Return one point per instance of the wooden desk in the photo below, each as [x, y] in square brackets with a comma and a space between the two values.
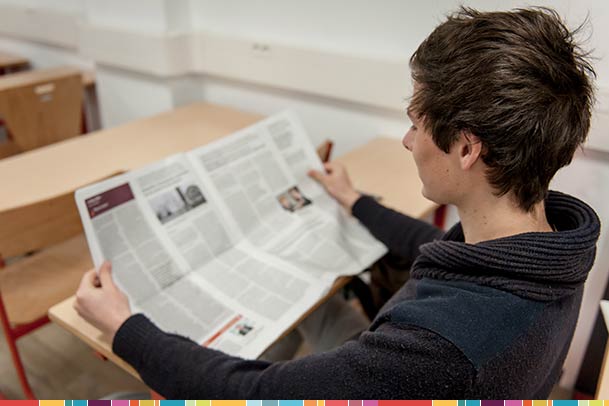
[63, 167]
[381, 167]
[10, 62]
[42, 75]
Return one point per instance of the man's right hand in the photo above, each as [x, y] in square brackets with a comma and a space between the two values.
[337, 184]
[100, 302]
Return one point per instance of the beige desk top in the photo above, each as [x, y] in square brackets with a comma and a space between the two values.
[29, 77]
[382, 167]
[8, 60]
[63, 167]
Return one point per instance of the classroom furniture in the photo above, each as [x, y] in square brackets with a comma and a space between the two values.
[91, 120]
[40, 107]
[43, 181]
[12, 63]
[37, 207]
[53, 254]
[382, 167]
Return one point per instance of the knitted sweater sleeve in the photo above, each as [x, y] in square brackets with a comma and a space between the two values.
[397, 363]
[401, 234]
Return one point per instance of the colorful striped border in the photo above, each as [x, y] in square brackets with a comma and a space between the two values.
[304, 403]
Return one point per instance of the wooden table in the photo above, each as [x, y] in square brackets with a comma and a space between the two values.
[382, 167]
[10, 63]
[63, 167]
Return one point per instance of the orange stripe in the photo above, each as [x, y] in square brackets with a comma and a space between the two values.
[222, 330]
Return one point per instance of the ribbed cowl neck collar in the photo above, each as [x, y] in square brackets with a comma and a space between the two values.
[537, 266]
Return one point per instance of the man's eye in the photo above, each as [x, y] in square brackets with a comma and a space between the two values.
[413, 127]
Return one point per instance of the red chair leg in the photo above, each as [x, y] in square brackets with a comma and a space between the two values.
[156, 397]
[12, 345]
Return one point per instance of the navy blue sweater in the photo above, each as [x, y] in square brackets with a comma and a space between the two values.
[487, 320]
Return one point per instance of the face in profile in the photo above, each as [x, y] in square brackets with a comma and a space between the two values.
[434, 166]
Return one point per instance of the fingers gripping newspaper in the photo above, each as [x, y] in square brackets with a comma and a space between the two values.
[228, 244]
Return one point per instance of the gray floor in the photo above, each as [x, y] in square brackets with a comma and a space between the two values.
[60, 366]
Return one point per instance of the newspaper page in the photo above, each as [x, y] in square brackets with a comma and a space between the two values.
[261, 175]
[185, 265]
[228, 244]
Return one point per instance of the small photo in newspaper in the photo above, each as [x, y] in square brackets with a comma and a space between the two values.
[293, 200]
[242, 329]
[175, 202]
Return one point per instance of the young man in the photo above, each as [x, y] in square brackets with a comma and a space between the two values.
[501, 101]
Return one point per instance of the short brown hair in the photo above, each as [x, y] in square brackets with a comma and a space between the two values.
[516, 79]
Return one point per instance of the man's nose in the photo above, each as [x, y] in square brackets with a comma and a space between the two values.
[407, 141]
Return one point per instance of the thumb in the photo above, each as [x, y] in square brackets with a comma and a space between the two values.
[88, 280]
[105, 274]
[317, 175]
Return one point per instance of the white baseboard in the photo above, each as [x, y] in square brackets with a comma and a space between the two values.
[374, 82]
[366, 80]
[157, 55]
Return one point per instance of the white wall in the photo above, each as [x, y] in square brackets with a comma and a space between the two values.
[147, 16]
[341, 65]
[66, 6]
[388, 27]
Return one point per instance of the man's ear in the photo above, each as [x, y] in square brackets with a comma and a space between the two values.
[470, 149]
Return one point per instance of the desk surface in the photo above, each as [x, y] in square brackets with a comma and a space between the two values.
[29, 77]
[382, 167]
[36, 76]
[65, 166]
[8, 60]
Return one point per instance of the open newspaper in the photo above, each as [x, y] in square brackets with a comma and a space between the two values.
[230, 243]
